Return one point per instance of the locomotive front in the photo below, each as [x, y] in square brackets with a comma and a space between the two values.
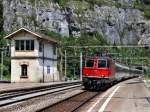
[97, 72]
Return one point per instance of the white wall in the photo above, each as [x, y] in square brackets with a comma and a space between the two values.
[35, 66]
[21, 53]
[53, 75]
[48, 51]
[33, 71]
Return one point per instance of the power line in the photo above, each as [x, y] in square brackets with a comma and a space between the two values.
[124, 46]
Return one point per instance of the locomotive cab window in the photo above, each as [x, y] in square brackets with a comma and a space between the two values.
[102, 64]
[90, 63]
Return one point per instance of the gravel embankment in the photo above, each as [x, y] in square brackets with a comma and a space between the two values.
[37, 103]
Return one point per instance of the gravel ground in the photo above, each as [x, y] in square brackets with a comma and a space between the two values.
[13, 86]
[37, 103]
[72, 104]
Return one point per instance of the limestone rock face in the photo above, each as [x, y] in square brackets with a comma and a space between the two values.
[40, 14]
[125, 1]
[116, 25]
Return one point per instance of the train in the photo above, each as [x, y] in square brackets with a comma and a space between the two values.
[100, 72]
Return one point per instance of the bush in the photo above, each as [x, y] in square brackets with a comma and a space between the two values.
[147, 14]
[146, 1]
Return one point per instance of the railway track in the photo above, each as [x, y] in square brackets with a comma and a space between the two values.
[71, 104]
[25, 94]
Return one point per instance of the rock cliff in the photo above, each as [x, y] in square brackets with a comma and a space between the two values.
[118, 25]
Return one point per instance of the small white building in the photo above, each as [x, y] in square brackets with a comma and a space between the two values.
[33, 57]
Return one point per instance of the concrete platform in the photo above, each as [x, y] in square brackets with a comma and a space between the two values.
[128, 96]
[147, 83]
[6, 87]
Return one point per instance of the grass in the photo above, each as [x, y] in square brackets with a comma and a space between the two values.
[7, 77]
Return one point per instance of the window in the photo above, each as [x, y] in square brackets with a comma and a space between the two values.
[17, 45]
[24, 71]
[27, 44]
[24, 45]
[48, 69]
[102, 64]
[90, 63]
[32, 44]
[40, 47]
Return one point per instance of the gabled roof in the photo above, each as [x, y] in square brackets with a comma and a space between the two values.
[40, 36]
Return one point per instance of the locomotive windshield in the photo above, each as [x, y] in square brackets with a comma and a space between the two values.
[102, 63]
[90, 63]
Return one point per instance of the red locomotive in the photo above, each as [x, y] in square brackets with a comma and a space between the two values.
[100, 72]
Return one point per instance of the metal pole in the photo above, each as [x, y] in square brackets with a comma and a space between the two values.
[2, 64]
[65, 64]
[43, 63]
[53, 69]
[81, 66]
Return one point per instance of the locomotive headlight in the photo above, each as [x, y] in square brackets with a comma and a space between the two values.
[103, 76]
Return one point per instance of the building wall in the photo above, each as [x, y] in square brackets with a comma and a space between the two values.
[33, 70]
[53, 75]
[21, 53]
[35, 64]
[48, 51]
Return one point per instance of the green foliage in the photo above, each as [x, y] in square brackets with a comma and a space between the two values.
[6, 65]
[54, 35]
[32, 2]
[6, 70]
[62, 2]
[83, 40]
[98, 2]
[146, 1]
[147, 14]
[86, 40]
[3, 42]
[118, 5]
[145, 7]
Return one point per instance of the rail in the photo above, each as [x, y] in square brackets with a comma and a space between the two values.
[18, 96]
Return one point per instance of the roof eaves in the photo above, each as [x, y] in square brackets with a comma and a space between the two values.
[41, 36]
[8, 36]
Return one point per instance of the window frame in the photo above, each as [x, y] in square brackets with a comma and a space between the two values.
[105, 64]
[89, 60]
[48, 69]
[17, 47]
[23, 47]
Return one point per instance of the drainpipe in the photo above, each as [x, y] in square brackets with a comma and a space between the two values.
[43, 62]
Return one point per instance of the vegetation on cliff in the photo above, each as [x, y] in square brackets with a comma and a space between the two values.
[85, 39]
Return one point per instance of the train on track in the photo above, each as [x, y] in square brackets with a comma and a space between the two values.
[100, 72]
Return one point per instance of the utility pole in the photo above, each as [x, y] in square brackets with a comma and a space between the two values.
[43, 62]
[81, 66]
[2, 62]
[65, 64]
